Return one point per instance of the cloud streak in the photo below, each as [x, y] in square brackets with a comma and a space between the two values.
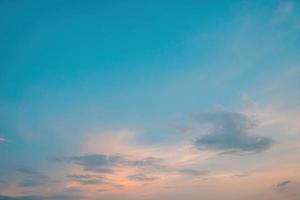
[141, 177]
[101, 163]
[87, 179]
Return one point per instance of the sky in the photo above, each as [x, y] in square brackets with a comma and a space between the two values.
[149, 100]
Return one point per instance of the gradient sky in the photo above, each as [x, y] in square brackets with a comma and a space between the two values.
[149, 100]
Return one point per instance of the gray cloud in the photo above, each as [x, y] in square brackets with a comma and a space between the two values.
[230, 133]
[141, 177]
[87, 179]
[117, 185]
[240, 175]
[93, 179]
[192, 172]
[18, 198]
[2, 140]
[148, 163]
[100, 163]
[73, 190]
[55, 197]
[29, 171]
[102, 190]
[32, 177]
[283, 184]
[31, 182]
[97, 159]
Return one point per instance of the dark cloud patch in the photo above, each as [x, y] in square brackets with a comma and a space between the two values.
[18, 198]
[93, 179]
[97, 159]
[168, 187]
[103, 190]
[31, 182]
[99, 170]
[58, 159]
[240, 175]
[148, 163]
[230, 132]
[72, 190]
[283, 184]
[97, 162]
[100, 163]
[87, 179]
[29, 171]
[32, 177]
[145, 162]
[192, 172]
[55, 197]
[141, 177]
[117, 185]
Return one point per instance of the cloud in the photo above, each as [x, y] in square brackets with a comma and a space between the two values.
[283, 184]
[54, 197]
[29, 171]
[18, 198]
[102, 190]
[97, 162]
[116, 185]
[2, 140]
[193, 172]
[148, 163]
[230, 132]
[87, 179]
[32, 177]
[240, 175]
[141, 177]
[72, 190]
[100, 163]
[31, 182]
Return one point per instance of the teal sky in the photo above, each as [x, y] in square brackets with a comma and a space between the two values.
[149, 99]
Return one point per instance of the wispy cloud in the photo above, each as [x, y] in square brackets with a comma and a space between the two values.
[101, 163]
[97, 162]
[29, 171]
[193, 172]
[2, 140]
[141, 177]
[87, 179]
[32, 177]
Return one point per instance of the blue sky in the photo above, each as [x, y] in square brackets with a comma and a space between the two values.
[108, 99]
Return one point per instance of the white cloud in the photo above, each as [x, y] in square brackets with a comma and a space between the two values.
[2, 140]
